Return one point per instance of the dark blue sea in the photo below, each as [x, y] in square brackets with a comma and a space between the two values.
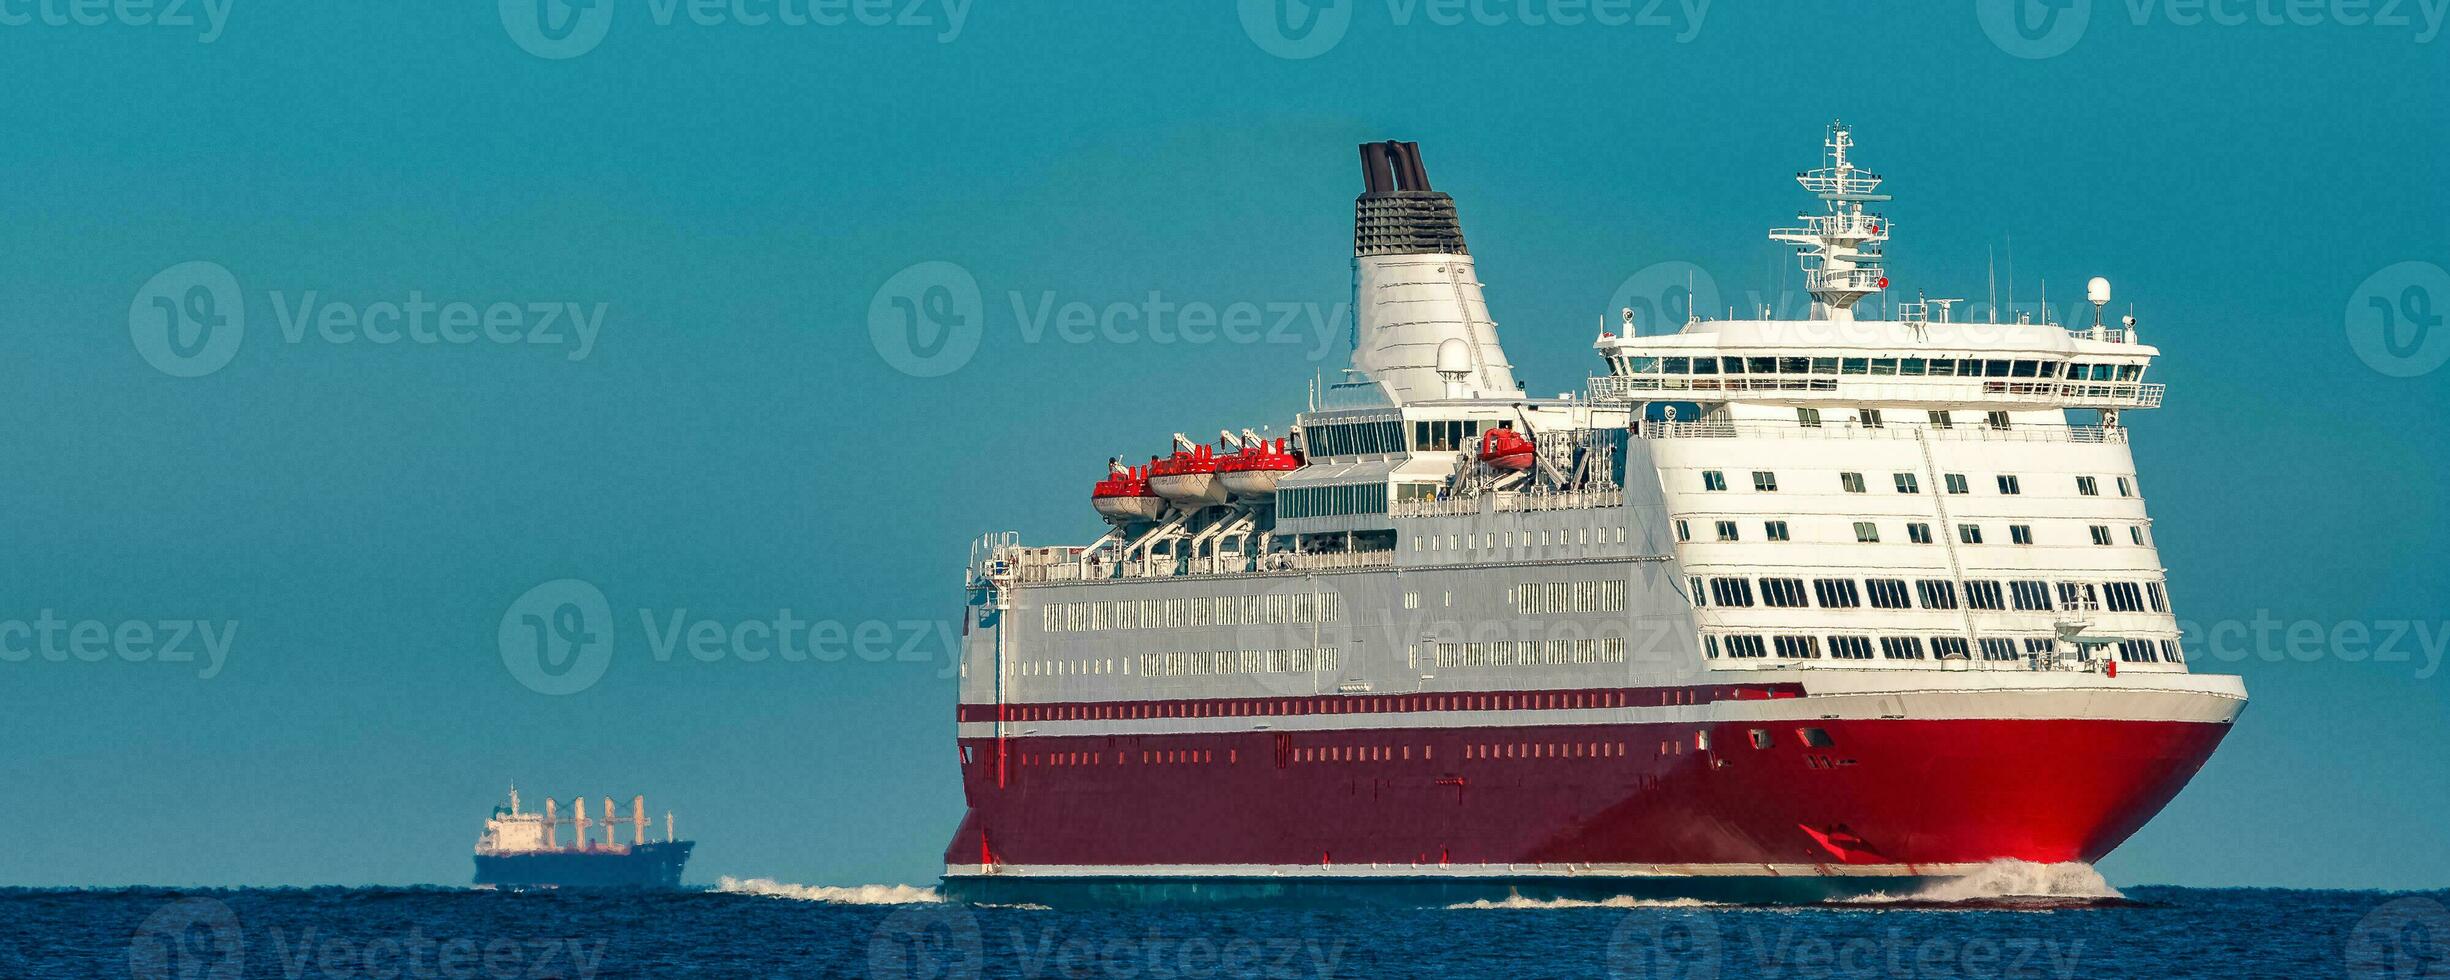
[760, 929]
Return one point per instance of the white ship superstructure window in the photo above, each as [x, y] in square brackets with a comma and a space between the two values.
[2159, 596]
[1441, 435]
[1984, 595]
[2125, 489]
[1836, 593]
[1867, 532]
[1808, 417]
[1545, 598]
[1949, 648]
[2123, 596]
[2086, 486]
[1684, 530]
[1969, 533]
[1918, 532]
[1528, 653]
[2079, 597]
[1887, 593]
[1783, 593]
[1908, 483]
[2171, 652]
[1774, 530]
[2138, 651]
[1272, 609]
[1870, 417]
[1901, 647]
[2020, 533]
[1237, 662]
[1797, 647]
[2030, 596]
[1736, 592]
[2008, 485]
[1998, 420]
[1994, 648]
[1850, 648]
[1937, 593]
[1746, 647]
[1956, 483]
[1713, 480]
[2101, 534]
[1852, 482]
[1942, 420]
[1726, 531]
[1764, 481]
[2136, 533]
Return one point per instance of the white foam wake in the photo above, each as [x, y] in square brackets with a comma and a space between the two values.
[832, 895]
[2010, 880]
[1619, 902]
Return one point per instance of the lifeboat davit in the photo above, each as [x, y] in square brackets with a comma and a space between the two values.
[1253, 472]
[1124, 496]
[1504, 449]
[1187, 478]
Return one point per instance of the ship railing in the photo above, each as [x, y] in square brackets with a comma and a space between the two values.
[1510, 502]
[1164, 567]
[1971, 432]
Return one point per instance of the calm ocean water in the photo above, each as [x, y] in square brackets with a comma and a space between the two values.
[762, 929]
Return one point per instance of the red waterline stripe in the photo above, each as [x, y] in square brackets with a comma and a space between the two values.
[1362, 704]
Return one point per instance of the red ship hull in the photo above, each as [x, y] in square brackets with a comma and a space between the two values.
[1884, 798]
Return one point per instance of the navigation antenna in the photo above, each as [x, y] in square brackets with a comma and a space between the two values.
[1840, 250]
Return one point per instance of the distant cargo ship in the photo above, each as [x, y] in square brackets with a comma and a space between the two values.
[523, 849]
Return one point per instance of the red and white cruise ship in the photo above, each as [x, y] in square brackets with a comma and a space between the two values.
[1776, 610]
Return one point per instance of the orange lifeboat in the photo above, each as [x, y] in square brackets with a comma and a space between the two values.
[1187, 478]
[1504, 449]
[1253, 472]
[1123, 496]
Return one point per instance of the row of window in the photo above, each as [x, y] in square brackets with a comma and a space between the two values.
[1918, 532]
[1525, 653]
[2029, 595]
[1746, 646]
[1221, 662]
[1366, 704]
[1545, 598]
[1334, 500]
[1878, 367]
[1766, 481]
[1269, 609]
[1514, 539]
[1354, 438]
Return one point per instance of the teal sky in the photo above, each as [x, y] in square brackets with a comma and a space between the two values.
[730, 207]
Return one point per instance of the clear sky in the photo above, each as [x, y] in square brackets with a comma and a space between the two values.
[727, 201]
